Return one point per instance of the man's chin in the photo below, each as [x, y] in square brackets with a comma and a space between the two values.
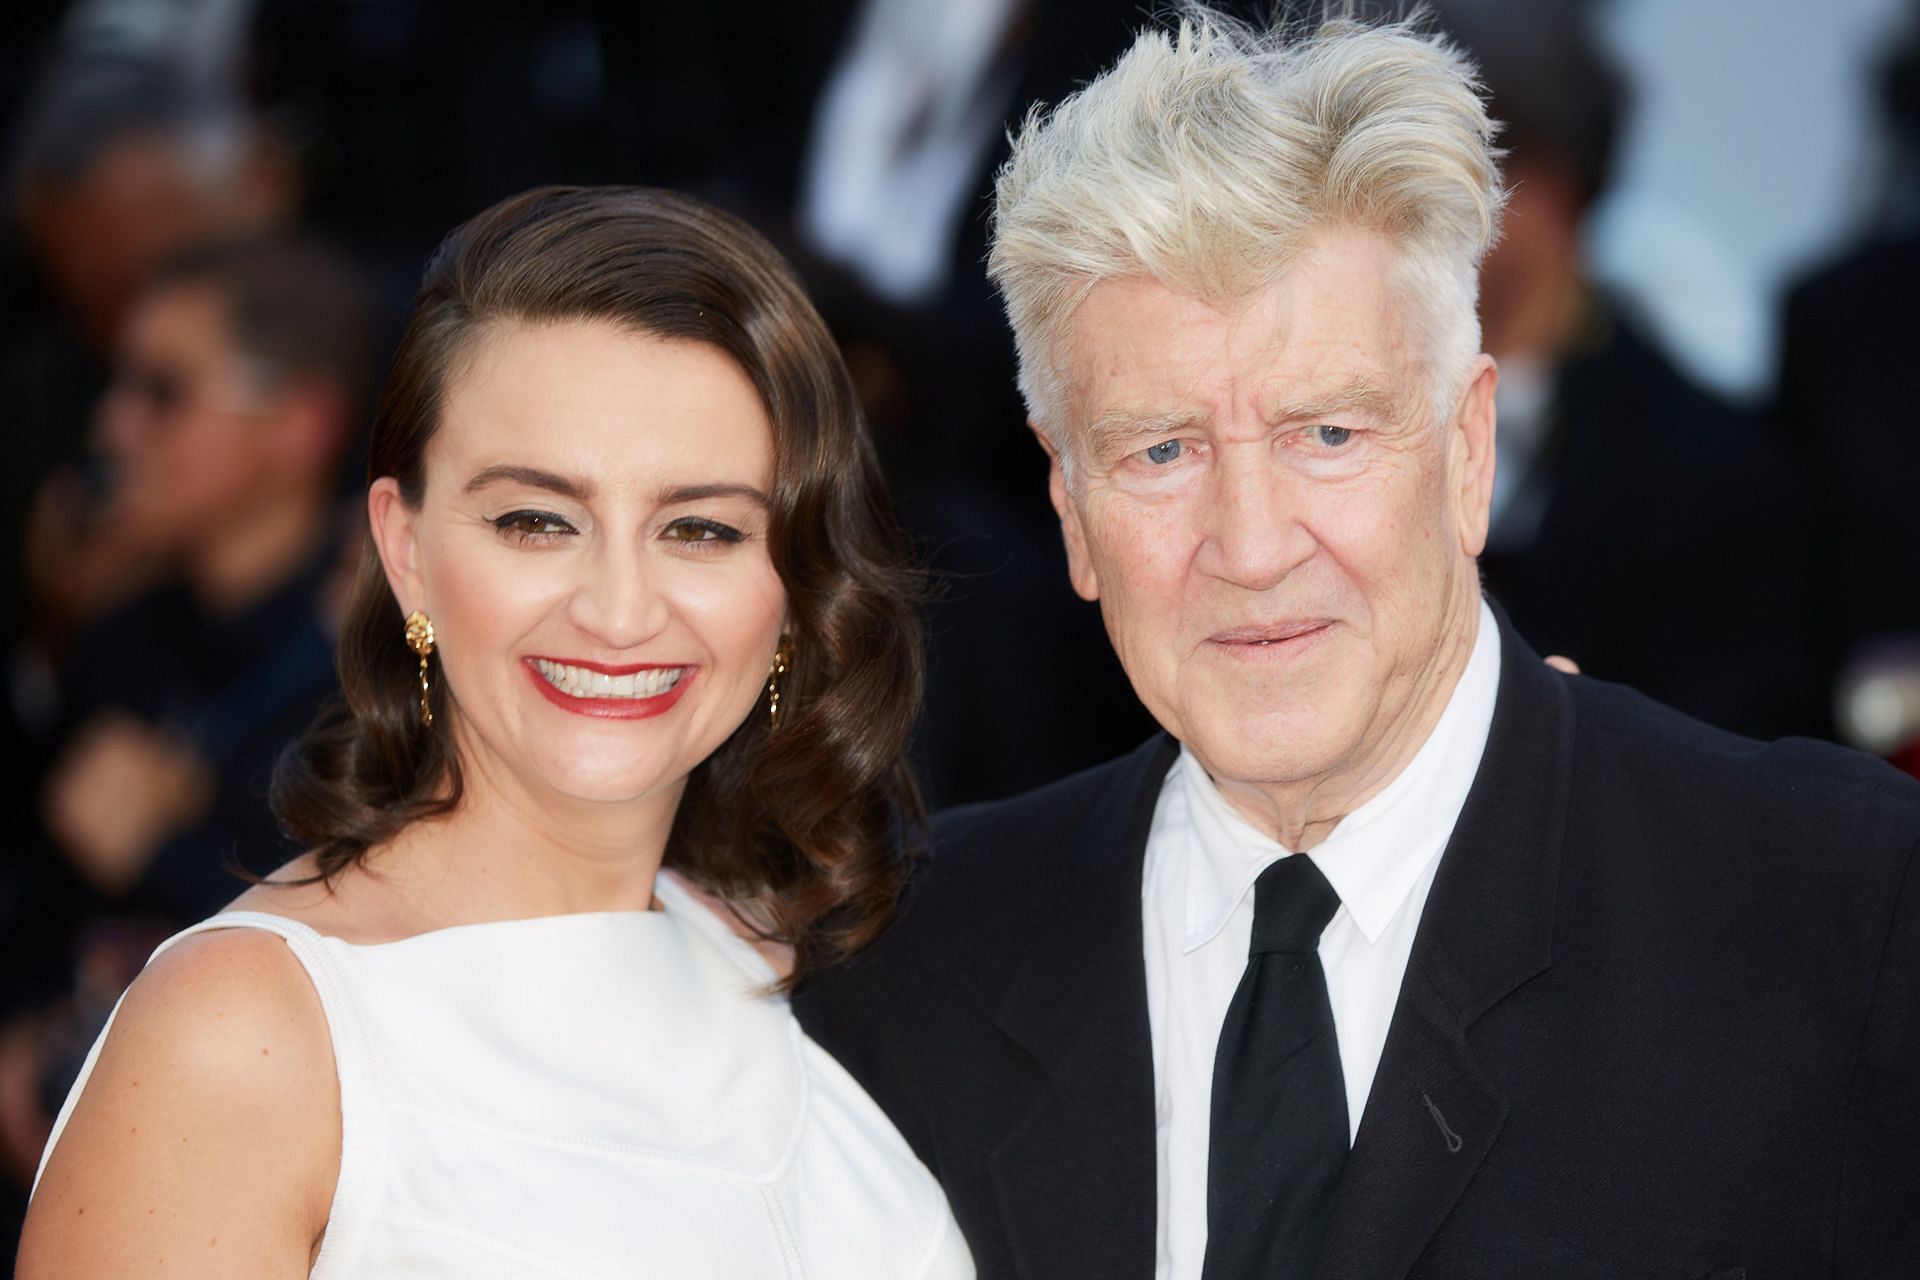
[1275, 749]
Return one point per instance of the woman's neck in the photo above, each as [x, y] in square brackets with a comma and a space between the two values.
[503, 854]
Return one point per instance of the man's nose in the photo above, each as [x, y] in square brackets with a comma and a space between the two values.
[621, 601]
[1252, 534]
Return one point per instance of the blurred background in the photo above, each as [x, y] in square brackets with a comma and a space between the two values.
[215, 212]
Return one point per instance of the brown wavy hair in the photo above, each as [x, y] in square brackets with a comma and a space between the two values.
[803, 826]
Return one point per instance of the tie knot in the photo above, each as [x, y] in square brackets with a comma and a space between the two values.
[1292, 903]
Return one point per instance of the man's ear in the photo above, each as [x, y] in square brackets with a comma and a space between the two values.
[1470, 444]
[1086, 583]
[394, 526]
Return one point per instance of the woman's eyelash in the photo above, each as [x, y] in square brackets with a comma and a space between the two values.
[705, 530]
[532, 524]
[538, 526]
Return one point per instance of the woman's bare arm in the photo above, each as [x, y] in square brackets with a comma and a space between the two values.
[207, 1142]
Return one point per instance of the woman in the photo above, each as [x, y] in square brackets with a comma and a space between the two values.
[636, 636]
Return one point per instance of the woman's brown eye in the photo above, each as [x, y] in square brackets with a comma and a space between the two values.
[532, 524]
[701, 529]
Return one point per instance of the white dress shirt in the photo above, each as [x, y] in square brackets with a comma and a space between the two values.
[1201, 861]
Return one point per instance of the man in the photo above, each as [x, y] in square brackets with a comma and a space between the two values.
[1399, 955]
[123, 161]
[242, 375]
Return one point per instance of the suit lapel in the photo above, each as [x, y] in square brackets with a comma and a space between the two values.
[1075, 1174]
[1433, 1115]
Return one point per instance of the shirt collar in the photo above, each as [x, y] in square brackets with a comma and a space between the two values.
[1377, 853]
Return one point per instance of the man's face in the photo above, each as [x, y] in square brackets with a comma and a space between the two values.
[1280, 534]
[186, 428]
[143, 200]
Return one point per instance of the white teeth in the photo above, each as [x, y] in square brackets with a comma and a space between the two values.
[583, 683]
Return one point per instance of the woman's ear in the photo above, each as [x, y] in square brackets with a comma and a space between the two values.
[395, 535]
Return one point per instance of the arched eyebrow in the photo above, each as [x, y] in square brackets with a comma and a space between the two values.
[566, 486]
[581, 490]
[703, 492]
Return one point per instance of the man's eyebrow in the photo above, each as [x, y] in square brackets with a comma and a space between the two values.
[565, 486]
[675, 494]
[1119, 425]
[1361, 394]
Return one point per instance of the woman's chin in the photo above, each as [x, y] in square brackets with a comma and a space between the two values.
[629, 787]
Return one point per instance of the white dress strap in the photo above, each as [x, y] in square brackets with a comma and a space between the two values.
[352, 1214]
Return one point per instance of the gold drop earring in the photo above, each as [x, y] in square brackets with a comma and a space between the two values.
[420, 640]
[773, 685]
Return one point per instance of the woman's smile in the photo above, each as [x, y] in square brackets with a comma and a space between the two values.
[634, 691]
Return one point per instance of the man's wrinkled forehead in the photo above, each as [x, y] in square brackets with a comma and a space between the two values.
[1141, 357]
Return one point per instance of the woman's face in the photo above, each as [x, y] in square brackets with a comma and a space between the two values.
[592, 549]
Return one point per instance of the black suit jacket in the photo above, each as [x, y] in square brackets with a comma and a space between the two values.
[1660, 1017]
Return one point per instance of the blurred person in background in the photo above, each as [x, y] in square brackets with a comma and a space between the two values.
[1640, 523]
[1849, 411]
[119, 162]
[121, 156]
[122, 163]
[240, 381]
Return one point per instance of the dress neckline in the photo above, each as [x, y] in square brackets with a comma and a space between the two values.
[676, 905]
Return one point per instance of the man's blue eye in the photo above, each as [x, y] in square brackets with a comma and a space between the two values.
[1332, 437]
[1164, 452]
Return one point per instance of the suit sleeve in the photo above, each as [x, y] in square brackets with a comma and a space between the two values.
[1878, 1231]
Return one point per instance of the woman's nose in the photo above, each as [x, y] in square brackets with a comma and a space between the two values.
[620, 601]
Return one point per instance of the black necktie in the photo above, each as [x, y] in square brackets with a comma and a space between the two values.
[1279, 1131]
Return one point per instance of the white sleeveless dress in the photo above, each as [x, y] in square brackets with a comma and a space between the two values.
[596, 1096]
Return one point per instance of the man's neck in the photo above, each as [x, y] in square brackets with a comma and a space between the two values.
[1301, 814]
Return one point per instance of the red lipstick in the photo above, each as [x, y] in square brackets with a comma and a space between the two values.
[610, 708]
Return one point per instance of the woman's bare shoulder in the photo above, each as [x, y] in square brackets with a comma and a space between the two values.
[209, 1130]
[200, 1006]
[354, 904]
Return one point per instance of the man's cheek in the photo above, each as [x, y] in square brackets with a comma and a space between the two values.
[1136, 535]
[1369, 530]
